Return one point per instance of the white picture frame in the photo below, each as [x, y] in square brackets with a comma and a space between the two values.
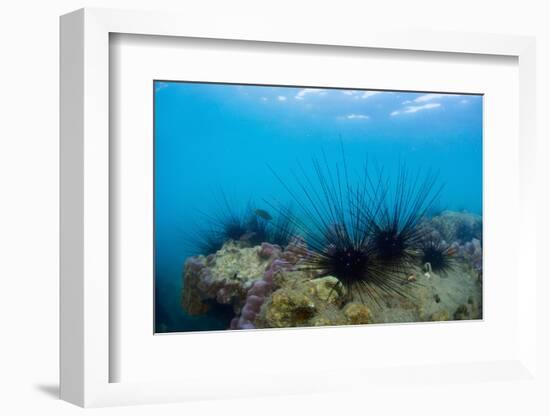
[85, 220]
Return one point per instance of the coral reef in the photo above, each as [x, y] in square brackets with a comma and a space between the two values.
[360, 228]
[310, 302]
[267, 287]
[473, 253]
[257, 294]
[225, 277]
[453, 226]
[459, 232]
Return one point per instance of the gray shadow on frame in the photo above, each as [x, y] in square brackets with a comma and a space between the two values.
[51, 390]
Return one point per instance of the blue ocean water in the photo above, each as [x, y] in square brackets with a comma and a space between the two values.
[218, 139]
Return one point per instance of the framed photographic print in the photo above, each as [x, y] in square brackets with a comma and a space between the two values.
[266, 198]
[248, 205]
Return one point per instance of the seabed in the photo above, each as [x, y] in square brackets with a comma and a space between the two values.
[265, 288]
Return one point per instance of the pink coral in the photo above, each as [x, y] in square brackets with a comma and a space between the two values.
[257, 294]
[472, 252]
[269, 250]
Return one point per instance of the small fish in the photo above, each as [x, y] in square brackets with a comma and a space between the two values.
[263, 214]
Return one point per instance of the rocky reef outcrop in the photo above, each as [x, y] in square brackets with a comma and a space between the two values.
[462, 230]
[266, 287]
[224, 277]
[265, 290]
[451, 226]
[310, 302]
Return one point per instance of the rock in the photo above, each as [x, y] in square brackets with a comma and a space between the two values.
[270, 287]
[288, 308]
[192, 300]
[320, 320]
[457, 226]
[461, 232]
[328, 317]
[327, 289]
[239, 263]
[295, 251]
[357, 313]
[256, 296]
[442, 315]
[224, 277]
[461, 312]
[303, 301]
[269, 251]
[287, 278]
[472, 252]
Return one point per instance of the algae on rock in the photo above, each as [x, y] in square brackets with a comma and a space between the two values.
[297, 298]
[224, 277]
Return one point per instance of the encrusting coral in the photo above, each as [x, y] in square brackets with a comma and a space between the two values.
[266, 287]
[461, 232]
[452, 226]
[225, 276]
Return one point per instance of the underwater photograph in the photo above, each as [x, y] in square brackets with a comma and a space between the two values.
[285, 206]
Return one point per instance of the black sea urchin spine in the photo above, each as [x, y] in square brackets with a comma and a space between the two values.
[283, 230]
[393, 225]
[333, 210]
[223, 222]
[437, 257]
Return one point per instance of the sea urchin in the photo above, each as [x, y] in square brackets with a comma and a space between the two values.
[332, 209]
[437, 257]
[393, 223]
